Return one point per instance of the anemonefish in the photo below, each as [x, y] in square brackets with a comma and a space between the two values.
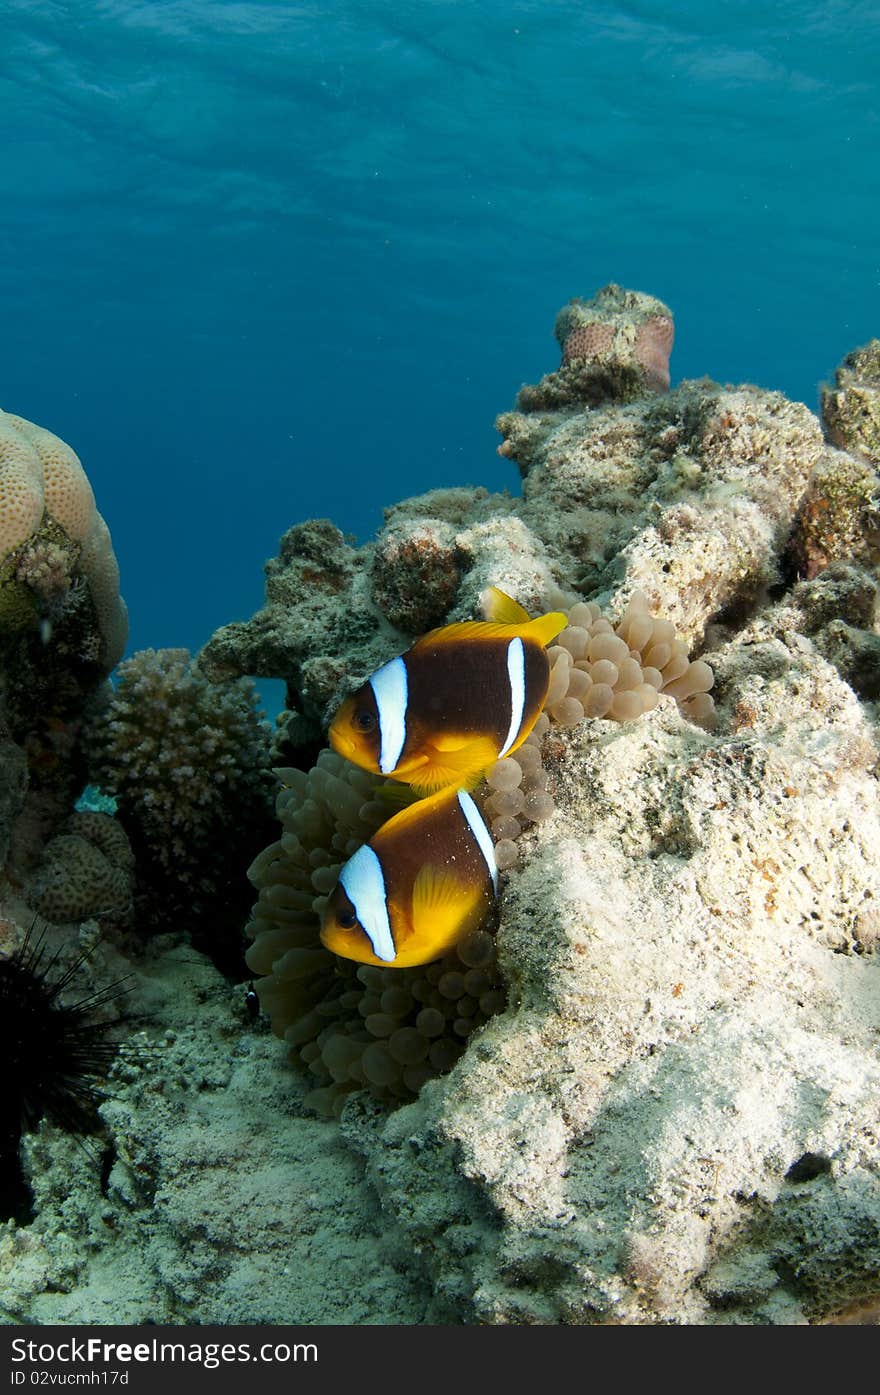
[423, 881]
[460, 698]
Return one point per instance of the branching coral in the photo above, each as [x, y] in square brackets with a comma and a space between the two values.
[187, 762]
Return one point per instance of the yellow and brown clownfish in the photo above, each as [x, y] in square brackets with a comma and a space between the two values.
[425, 880]
[460, 698]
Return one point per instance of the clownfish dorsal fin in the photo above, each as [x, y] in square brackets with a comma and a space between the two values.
[543, 629]
[498, 606]
[504, 610]
[546, 627]
[465, 631]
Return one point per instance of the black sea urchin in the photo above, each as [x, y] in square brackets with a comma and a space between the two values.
[52, 1053]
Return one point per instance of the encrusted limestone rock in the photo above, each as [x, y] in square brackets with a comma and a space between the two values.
[614, 347]
[851, 408]
[682, 1092]
[689, 498]
[839, 515]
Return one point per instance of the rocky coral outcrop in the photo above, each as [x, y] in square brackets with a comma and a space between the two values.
[682, 1093]
[851, 407]
[674, 1117]
[689, 497]
[615, 347]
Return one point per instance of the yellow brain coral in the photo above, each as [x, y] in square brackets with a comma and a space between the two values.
[42, 479]
[22, 498]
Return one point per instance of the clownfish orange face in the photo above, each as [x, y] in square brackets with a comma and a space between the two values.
[460, 698]
[341, 930]
[355, 733]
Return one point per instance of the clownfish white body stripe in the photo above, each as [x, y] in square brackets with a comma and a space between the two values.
[426, 878]
[516, 673]
[480, 832]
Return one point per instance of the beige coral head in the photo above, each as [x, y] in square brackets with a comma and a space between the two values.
[41, 477]
[68, 494]
[22, 497]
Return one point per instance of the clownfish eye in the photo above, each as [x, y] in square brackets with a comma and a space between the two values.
[363, 720]
[346, 920]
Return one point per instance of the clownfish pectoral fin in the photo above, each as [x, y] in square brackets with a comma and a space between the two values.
[461, 768]
[498, 606]
[444, 908]
[454, 741]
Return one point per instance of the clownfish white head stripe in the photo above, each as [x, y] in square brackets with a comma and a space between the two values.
[516, 673]
[390, 689]
[363, 882]
[480, 832]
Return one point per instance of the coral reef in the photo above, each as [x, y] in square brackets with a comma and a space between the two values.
[649, 1094]
[670, 1119]
[693, 1010]
[209, 1198]
[187, 762]
[688, 497]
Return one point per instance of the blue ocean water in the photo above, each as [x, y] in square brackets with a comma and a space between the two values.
[267, 261]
